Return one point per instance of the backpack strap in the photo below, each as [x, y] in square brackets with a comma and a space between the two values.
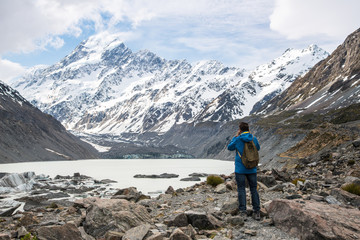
[238, 153]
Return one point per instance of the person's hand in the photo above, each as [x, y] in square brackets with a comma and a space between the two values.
[238, 133]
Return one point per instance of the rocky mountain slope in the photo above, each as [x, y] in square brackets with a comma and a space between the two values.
[103, 87]
[263, 83]
[27, 134]
[332, 83]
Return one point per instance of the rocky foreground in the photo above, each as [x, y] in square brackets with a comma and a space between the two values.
[304, 202]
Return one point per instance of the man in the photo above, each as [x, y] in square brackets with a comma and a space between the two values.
[241, 172]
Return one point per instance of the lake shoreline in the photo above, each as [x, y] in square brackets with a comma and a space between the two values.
[123, 170]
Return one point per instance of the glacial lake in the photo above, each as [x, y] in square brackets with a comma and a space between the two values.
[123, 171]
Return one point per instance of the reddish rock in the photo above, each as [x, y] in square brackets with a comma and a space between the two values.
[65, 232]
[5, 236]
[113, 215]
[314, 220]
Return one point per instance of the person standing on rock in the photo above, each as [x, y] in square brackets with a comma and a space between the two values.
[241, 172]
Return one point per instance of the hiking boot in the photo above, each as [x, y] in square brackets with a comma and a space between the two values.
[257, 216]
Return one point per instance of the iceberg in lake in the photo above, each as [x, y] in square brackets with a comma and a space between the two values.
[17, 182]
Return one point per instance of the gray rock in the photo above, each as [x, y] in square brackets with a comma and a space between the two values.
[356, 143]
[346, 197]
[136, 233]
[10, 211]
[179, 220]
[221, 188]
[84, 235]
[332, 200]
[317, 198]
[113, 235]
[156, 236]
[250, 232]
[163, 175]
[279, 187]
[309, 185]
[189, 179]
[294, 196]
[105, 181]
[231, 206]
[236, 221]
[56, 195]
[198, 175]
[130, 194]
[177, 234]
[22, 231]
[268, 180]
[170, 190]
[350, 179]
[201, 220]
[189, 230]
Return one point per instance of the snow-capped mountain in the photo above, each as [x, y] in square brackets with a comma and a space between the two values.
[262, 84]
[104, 87]
[332, 83]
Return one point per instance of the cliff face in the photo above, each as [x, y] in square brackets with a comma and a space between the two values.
[332, 83]
[27, 134]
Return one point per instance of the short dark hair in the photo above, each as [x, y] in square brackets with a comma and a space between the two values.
[244, 126]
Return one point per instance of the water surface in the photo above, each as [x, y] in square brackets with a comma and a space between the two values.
[123, 170]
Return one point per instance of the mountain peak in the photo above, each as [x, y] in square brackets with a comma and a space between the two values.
[7, 91]
[104, 87]
[104, 40]
[331, 83]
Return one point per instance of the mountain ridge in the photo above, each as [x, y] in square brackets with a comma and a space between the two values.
[326, 84]
[102, 87]
[27, 134]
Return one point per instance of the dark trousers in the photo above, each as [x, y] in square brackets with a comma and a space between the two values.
[255, 200]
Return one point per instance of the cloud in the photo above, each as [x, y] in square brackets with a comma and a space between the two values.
[232, 31]
[28, 25]
[297, 19]
[10, 70]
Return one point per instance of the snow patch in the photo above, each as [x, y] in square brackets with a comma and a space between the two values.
[60, 154]
[99, 148]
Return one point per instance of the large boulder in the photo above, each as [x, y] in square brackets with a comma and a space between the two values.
[231, 206]
[268, 180]
[55, 232]
[112, 215]
[315, 220]
[180, 220]
[130, 194]
[137, 233]
[202, 220]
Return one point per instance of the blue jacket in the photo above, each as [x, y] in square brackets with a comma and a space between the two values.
[238, 143]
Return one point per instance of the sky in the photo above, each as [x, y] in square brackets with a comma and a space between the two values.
[240, 33]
